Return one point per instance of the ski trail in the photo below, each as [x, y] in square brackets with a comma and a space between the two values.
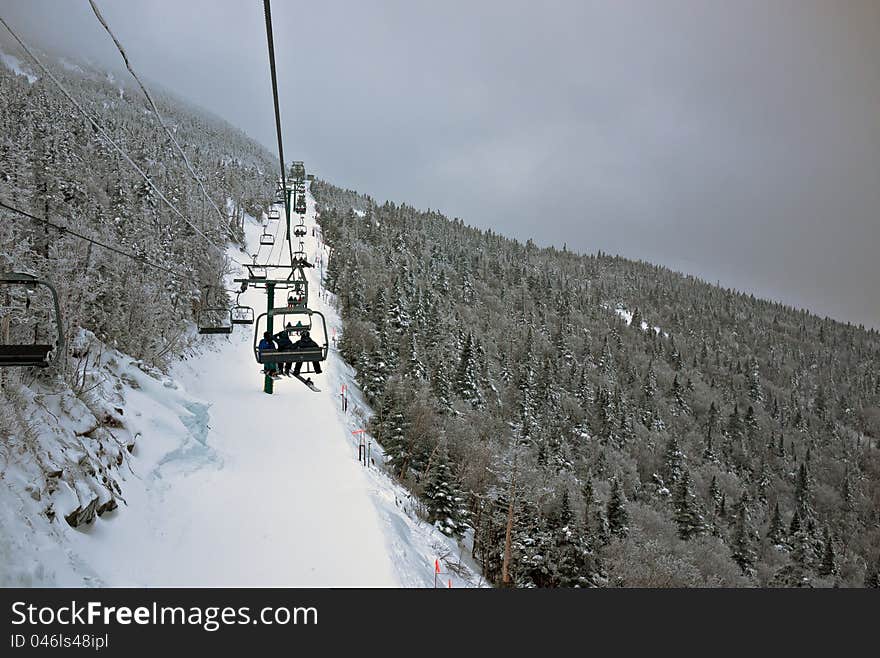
[233, 487]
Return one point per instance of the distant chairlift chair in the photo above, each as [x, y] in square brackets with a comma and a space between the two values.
[208, 324]
[242, 314]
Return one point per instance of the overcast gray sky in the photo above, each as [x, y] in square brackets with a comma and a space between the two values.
[739, 141]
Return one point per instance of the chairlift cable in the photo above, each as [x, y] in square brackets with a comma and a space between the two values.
[107, 136]
[271, 45]
[100, 17]
[64, 230]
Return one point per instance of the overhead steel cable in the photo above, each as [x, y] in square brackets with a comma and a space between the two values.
[100, 17]
[271, 44]
[107, 136]
[69, 231]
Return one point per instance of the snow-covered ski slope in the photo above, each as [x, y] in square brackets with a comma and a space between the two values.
[229, 486]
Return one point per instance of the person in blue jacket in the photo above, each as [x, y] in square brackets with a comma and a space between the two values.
[268, 344]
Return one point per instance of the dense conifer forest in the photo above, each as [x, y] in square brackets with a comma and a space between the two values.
[596, 421]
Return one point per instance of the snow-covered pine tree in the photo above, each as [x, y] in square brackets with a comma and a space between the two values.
[467, 384]
[743, 539]
[414, 368]
[443, 498]
[687, 510]
[776, 529]
[673, 462]
[618, 517]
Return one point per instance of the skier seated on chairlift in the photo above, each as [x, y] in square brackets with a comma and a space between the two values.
[306, 343]
[284, 345]
[267, 344]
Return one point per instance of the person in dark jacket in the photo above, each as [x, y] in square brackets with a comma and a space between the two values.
[306, 343]
[268, 345]
[282, 339]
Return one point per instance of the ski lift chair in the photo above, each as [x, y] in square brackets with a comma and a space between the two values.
[298, 297]
[298, 319]
[206, 322]
[306, 356]
[267, 239]
[36, 355]
[242, 314]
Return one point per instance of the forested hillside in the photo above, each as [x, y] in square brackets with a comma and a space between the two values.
[65, 438]
[630, 425]
[54, 164]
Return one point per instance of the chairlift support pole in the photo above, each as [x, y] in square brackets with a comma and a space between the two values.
[287, 206]
[268, 382]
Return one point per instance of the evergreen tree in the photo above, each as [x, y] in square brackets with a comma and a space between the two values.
[828, 567]
[752, 427]
[574, 563]
[444, 500]
[398, 314]
[618, 517]
[673, 462]
[467, 379]
[441, 385]
[795, 526]
[756, 393]
[803, 559]
[742, 543]
[636, 321]
[776, 530]
[589, 498]
[803, 491]
[715, 506]
[415, 369]
[681, 406]
[687, 513]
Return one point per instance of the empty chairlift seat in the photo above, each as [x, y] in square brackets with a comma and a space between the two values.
[38, 355]
[215, 321]
[242, 315]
